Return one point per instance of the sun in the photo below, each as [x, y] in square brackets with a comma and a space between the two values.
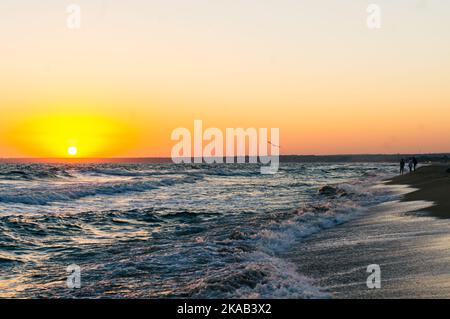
[72, 150]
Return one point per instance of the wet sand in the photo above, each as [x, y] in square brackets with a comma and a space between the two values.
[432, 183]
[407, 241]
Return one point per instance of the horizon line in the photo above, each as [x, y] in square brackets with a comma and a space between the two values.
[168, 157]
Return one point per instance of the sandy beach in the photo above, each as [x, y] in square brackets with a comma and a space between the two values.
[432, 183]
[405, 238]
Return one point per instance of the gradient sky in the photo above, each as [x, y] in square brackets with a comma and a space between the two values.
[137, 69]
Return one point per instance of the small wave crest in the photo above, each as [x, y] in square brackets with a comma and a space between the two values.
[32, 172]
[260, 276]
[44, 195]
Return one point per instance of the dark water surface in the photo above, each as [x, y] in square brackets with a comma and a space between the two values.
[164, 230]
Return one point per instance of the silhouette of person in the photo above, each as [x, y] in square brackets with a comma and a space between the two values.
[402, 166]
[414, 160]
[410, 165]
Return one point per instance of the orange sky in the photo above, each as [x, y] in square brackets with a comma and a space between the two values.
[136, 70]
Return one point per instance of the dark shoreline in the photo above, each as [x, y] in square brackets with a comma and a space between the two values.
[432, 183]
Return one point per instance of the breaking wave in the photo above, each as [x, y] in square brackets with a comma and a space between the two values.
[73, 191]
[152, 231]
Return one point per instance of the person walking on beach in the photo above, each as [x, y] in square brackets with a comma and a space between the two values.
[414, 160]
[402, 166]
[410, 165]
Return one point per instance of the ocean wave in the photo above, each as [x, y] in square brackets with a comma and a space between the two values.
[259, 271]
[123, 171]
[32, 172]
[279, 236]
[259, 276]
[332, 191]
[9, 261]
[44, 195]
[226, 237]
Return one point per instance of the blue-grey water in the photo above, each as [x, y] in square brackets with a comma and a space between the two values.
[165, 230]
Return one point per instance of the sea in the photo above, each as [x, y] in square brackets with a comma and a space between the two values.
[172, 230]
